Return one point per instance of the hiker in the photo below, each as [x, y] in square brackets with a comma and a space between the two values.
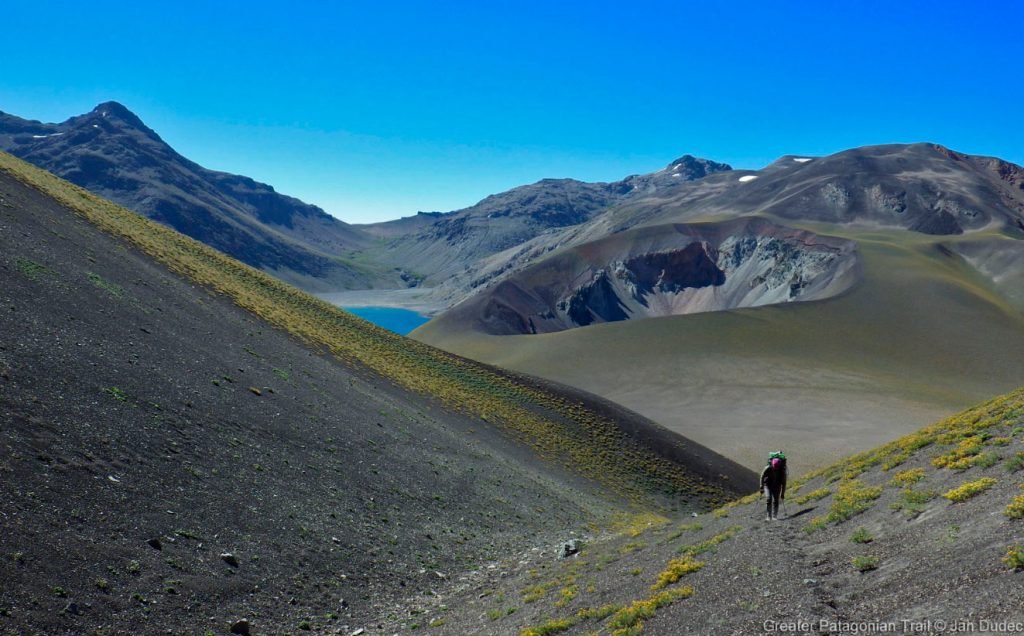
[773, 483]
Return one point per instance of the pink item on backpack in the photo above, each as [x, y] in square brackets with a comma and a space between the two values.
[775, 462]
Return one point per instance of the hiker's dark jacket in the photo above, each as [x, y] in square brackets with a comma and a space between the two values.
[774, 479]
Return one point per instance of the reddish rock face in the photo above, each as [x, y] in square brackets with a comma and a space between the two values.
[665, 270]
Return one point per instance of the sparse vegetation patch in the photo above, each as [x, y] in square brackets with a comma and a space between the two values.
[861, 535]
[114, 290]
[1014, 557]
[558, 625]
[865, 563]
[677, 569]
[852, 498]
[633, 615]
[907, 477]
[1015, 463]
[969, 489]
[1016, 508]
[709, 544]
[814, 495]
[34, 270]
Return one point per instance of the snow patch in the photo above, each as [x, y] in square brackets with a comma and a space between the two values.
[746, 178]
[676, 174]
[45, 136]
[95, 126]
[801, 159]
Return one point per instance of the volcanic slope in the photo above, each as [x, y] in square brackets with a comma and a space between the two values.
[922, 535]
[447, 251]
[932, 323]
[188, 442]
[111, 152]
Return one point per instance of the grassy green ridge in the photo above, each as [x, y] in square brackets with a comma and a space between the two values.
[558, 428]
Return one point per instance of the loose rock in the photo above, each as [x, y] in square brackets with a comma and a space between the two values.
[569, 548]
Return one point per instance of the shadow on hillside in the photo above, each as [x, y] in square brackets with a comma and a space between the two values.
[800, 513]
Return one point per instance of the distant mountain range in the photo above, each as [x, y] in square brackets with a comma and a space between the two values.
[591, 272]
[111, 152]
[444, 244]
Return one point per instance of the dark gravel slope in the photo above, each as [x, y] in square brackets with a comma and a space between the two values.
[137, 410]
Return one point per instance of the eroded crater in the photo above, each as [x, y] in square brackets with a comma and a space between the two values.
[668, 270]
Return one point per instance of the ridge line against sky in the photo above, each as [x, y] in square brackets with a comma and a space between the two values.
[376, 113]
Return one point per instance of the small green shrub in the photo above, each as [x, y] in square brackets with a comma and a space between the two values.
[677, 569]
[987, 460]
[558, 625]
[633, 614]
[918, 497]
[1016, 508]
[116, 393]
[1015, 463]
[536, 592]
[567, 594]
[861, 535]
[554, 626]
[970, 489]
[907, 477]
[598, 613]
[816, 524]
[963, 456]
[814, 495]
[865, 563]
[1014, 557]
[34, 270]
[632, 546]
[114, 290]
[852, 498]
[704, 546]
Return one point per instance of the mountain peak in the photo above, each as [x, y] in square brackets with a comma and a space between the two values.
[704, 166]
[117, 110]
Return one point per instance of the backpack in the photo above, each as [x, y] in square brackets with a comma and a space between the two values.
[779, 455]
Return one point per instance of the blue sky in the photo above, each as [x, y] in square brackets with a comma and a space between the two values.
[377, 110]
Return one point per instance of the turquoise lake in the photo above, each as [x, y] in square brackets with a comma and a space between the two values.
[401, 321]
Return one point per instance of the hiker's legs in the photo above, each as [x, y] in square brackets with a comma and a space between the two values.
[773, 503]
